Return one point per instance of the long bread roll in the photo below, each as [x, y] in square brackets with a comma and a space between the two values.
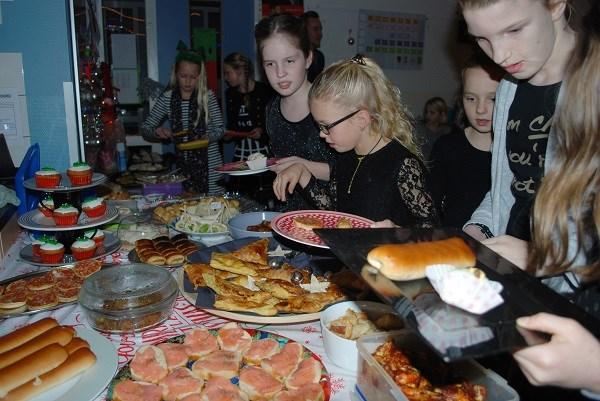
[30, 367]
[408, 261]
[61, 335]
[26, 333]
[76, 363]
[75, 344]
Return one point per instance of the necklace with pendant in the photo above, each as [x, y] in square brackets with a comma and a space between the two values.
[360, 160]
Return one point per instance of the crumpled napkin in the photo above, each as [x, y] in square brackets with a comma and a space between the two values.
[8, 195]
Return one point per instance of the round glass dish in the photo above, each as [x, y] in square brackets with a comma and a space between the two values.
[128, 298]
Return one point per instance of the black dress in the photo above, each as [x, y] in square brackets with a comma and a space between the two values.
[389, 184]
[460, 177]
[295, 139]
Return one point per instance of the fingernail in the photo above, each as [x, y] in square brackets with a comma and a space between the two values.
[523, 321]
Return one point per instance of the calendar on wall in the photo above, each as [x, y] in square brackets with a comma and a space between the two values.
[393, 40]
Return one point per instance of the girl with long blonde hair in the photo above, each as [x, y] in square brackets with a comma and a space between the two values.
[377, 172]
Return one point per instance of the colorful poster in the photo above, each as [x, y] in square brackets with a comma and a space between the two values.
[394, 40]
[294, 7]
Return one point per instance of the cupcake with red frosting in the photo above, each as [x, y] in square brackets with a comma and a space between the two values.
[80, 174]
[83, 248]
[46, 206]
[94, 207]
[47, 177]
[97, 235]
[65, 215]
[52, 251]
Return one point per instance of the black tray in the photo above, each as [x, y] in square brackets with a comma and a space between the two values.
[453, 333]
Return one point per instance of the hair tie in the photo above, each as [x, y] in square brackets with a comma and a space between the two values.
[185, 54]
[358, 59]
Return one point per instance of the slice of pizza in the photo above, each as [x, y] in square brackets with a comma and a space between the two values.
[255, 252]
[236, 304]
[228, 262]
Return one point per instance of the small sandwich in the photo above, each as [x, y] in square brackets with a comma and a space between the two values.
[308, 222]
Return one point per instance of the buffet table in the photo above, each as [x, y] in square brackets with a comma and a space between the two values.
[184, 316]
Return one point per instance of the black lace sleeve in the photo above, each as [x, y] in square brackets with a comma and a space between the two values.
[322, 194]
[411, 183]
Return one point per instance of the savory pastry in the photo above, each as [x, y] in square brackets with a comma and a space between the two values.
[228, 262]
[195, 271]
[280, 288]
[308, 222]
[227, 289]
[255, 252]
[409, 261]
[238, 304]
[309, 303]
[343, 222]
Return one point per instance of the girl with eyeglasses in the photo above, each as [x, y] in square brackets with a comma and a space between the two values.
[286, 55]
[377, 172]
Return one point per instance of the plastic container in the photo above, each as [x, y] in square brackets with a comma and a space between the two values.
[128, 298]
[165, 188]
[341, 351]
[121, 157]
[373, 382]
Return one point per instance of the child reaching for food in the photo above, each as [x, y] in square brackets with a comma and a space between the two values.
[377, 172]
[286, 55]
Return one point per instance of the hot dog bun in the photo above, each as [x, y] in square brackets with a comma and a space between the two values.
[76, 363]
[408, 261]
[61, 335]
[30, 367]
[75, 344]
[26, 333]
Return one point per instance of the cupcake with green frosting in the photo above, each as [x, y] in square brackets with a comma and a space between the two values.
[80, 173]
[47, 177]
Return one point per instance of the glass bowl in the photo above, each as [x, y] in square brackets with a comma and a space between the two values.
[128, 298]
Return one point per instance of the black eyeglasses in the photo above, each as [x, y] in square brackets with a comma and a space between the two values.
[326, 128]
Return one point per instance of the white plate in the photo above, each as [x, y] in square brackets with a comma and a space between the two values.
[35, 220]
[65, 184]
[93, 381]
[245, 172]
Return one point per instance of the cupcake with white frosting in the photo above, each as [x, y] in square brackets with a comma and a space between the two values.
[94, 207]
[80, 174]
[83, 248]
[47, 177]
[52, 251]
[65, 215]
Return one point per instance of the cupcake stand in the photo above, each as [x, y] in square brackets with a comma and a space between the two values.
[35, 220]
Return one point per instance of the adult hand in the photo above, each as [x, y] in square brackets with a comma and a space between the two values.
[475, 232]
[513, 249]
[286, 162]
[163, 133]
[571, 359]
[387, 223]
[286, 181]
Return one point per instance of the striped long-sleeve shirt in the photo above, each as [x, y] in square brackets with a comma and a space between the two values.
[215, 130]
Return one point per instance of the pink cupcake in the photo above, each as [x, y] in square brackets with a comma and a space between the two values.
[94, 207]
[65, 215]
[52, 251]
[47, 177]
[83, 248]
[80, 174]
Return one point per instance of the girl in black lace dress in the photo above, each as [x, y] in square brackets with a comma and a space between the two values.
[376, 173]
[285, 52]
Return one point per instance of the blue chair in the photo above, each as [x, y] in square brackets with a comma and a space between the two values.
[27, 169]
